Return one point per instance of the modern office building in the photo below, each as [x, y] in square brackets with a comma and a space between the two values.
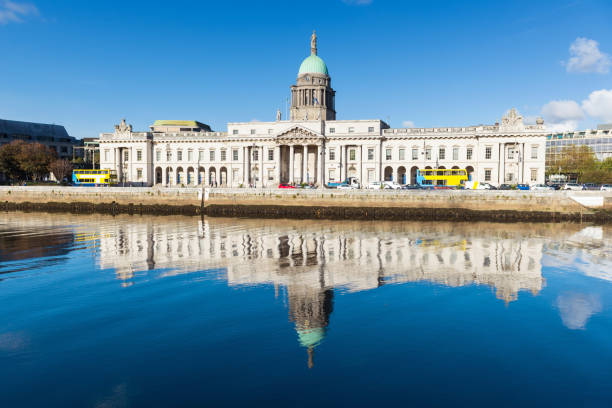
[53, 136]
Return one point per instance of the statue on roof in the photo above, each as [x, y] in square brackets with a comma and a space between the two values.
[313, 43]
[278, 115]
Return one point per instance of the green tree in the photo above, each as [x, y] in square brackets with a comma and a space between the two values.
[575, 160]
[9, 160]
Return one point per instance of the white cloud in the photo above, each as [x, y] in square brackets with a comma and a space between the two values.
[357, 2]
[577, 308]
[408, 124]
[12, 12]
[562, 115]
[585, 57]
[599, 105]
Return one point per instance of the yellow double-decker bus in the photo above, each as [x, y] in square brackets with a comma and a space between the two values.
[442, 177]
[94, 177]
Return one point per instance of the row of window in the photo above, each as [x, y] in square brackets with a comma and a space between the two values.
[190, 155]
[510, 176]
[351, 129]
[401, 154]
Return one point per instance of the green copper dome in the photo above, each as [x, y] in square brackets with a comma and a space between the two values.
[311, 337]
[313, 65]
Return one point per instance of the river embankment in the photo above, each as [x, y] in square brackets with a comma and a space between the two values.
[448, 205]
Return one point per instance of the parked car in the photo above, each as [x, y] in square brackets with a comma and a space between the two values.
[573, 186]
[591, 186]
[606, 187]
[524, 187]
[374, 185]
[346, 187]
[351, 181]
[411, 187]
[505, 187]
[542, 187]
[555, 186]
[392, 185]
[285, 185]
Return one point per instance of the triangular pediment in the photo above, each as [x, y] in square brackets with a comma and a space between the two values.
[298, 133]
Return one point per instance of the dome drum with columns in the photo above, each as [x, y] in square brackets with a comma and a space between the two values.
[312, 98]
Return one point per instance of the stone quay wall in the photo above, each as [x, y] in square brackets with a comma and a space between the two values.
[318, 203]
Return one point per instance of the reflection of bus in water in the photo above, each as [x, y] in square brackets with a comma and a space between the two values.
[442, 177]
[94, 177]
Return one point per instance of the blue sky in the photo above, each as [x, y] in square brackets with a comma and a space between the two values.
[87, 64]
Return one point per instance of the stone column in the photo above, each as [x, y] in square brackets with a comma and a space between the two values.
[261, 168]
[305, 165]
[278, 164]
[291, 163]
[320, 167]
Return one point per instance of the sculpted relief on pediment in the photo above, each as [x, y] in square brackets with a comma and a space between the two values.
[299, 135]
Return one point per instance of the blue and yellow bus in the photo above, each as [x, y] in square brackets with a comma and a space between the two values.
[442, 177]
[93, 177]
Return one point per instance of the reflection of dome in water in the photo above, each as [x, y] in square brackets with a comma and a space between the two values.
[311, 337]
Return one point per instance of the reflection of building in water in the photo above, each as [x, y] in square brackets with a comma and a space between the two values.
[311, 259]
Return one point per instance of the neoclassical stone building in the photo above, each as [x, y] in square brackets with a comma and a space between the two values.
[313, 147]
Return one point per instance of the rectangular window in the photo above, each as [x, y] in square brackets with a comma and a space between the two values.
[371, 129]
[370, 154]
[126, 156]
[235, 132]
[168, 156]
[158, 155]
[255, 154]
[235, 155]
[534, 175]
[415, 154]
[223, 155]
[468, 153]
[428, 153]
[138, 155]
[234, 175]
[270, 174]
[270, 154]
[332, 154]
[332, 175]
[201, 155]
[252, 131]
[351, 130]
[106, 153]
[488, 150]
[212, 155]
[402, 154]
[352, 154]
[534, 152]
[455, 153]
[139, 174]
[511, 153]
[371, 175]
[442, 153]
[388, 154]
[190, 155]
[179, 155]
[332, 130]
[487, 174]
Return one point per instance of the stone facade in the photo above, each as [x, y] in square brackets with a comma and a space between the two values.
[313, 147]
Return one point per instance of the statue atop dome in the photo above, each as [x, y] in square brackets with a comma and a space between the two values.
[313, 43]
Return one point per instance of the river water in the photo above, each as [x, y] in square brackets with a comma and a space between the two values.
[130, 311]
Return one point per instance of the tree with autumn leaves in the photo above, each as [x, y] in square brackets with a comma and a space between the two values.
[581, 162]
[25, 161]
